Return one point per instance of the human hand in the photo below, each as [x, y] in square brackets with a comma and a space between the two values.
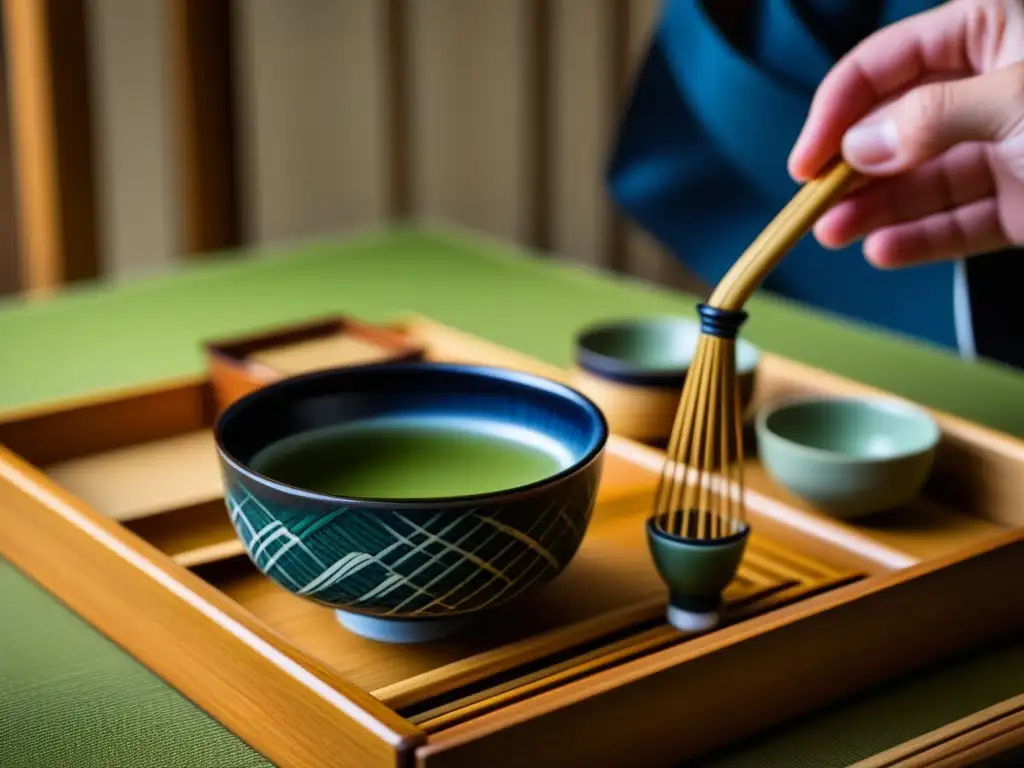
[932, 110]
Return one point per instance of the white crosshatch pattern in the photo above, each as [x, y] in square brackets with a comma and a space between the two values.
[442, 564]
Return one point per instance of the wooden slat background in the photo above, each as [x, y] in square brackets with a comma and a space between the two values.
[46, 47]
[10, 278]
[497, 114]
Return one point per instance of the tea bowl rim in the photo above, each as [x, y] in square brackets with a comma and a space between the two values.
[888, 405]
[624, 371]
[465, 502]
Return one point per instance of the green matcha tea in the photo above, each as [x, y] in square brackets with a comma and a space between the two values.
[410, 459]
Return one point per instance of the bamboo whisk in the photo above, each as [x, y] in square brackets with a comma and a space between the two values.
[700, 492]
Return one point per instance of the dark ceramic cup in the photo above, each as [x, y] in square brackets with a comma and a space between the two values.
[635, 370]
[413, 569]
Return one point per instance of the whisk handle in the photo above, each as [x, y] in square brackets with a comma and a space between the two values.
[779, 237]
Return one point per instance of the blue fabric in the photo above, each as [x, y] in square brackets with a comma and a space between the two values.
[700, 160]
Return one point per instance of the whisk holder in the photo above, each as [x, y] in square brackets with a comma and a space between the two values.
[696, 572]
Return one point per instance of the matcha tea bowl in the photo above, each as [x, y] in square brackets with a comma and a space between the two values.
[413, 497]
[848, 457]
[634, 369]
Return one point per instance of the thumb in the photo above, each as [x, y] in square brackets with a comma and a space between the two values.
[932, 118]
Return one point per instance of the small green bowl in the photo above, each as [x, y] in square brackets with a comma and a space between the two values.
[848, 457]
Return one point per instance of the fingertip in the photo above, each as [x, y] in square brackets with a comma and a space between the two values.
[827, 245]
[795, 164]
[827, 234]
[841, 225]
[870, 249]
[811, 152]
[880, 251]
[805, 166]
[802, 161]
[798, 172]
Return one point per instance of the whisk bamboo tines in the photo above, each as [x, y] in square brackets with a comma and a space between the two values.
[700, 493]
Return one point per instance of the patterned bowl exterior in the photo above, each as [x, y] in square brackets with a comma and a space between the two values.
[416, 564]
[416, 559]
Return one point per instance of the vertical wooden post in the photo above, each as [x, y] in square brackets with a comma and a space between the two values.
[10, 281]
[51, 117]
[541, 39]
[202, 59]
[398, 104]
[618, 80]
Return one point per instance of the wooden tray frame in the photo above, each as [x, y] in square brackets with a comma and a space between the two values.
[992, 731]
[654, 709]
[234, 372]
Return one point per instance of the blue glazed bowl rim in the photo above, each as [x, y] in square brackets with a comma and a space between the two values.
[599, 440]
[625, 372]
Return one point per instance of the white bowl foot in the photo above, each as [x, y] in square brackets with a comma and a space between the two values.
[691, 622]
[401, 630]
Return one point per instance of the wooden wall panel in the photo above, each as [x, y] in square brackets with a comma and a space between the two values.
[312, 94]
[137, 179]
[395, 34]
[539, 46]
[51, 109]
[471, 111]
[583, 124]
[9, 271]
[645, 255]
[497, 114]
[646, 258]
[202, 66]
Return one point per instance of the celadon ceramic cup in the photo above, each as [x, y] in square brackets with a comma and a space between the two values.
[634, 370]
[848, 457]
[696, 571]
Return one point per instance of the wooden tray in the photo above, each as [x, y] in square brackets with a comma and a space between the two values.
[238, 366]
[113, 504]
[986, 734]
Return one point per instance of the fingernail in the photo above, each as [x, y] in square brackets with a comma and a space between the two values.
[871, 144]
